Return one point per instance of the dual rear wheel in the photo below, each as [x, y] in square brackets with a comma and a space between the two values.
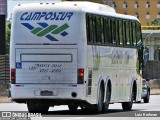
[102, 106]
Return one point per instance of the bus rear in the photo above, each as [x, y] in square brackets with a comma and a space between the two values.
[46, 68]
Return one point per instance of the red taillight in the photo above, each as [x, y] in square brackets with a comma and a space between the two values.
[80, 76]
[13, 76]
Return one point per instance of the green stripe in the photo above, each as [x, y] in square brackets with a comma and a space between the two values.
[60, 29]
[47, 30]
[36, 30]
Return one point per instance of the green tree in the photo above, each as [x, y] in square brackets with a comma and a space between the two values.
[8, 32]
[156, 22]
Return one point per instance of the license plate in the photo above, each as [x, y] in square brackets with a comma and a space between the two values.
[46, 93]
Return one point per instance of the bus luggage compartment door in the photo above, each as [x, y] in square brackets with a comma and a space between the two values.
[46, 65]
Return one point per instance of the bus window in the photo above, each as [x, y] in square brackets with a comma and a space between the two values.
[138, 34]
[117, 33]
[98, 30]
[113, 31]
[89, 28]
[130, 34]
[124, 33]
[121, 32]
[110, 32]
[94, 29]
[106, 28]
[134, 41]
[127, 34]
[102, 29]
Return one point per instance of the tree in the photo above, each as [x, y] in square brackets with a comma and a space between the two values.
[156, 22]
[8, 32]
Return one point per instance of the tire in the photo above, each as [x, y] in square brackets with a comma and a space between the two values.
[128, 105]
[73, 107]
[146, 99]
[34, 107]
[99, 106]
[106, 103]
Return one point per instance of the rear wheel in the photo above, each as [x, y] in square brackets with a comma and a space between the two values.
[128, 105]
[99, 106]
[34, 107]
[106, 103]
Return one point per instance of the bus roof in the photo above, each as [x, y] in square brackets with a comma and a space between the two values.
[83, 6]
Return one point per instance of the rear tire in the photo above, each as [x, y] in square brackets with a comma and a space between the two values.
[106, 103]
[146, 99]
[34, 107]
[99, 106]
[128, 105]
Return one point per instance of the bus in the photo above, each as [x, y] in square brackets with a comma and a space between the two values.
[70, 53]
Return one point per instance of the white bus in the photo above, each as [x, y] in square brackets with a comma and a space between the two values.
[79, 54]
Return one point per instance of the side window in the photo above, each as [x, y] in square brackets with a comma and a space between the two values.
[138, 34]
[94, 28]
[117, 33]
[89, 28]
[134, 41]
[130, 34]
[114, 31]
[121, 32]
[110, 32]
[127, 34]
[98, 30]
[102, 29]
[106, 31]
[124, 33]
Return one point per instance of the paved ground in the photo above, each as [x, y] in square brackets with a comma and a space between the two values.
[115, 111]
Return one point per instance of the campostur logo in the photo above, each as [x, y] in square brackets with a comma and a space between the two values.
[45, 30]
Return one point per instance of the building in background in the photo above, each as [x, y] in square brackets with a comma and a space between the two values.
[3, 14]
[145, 10]
[106, 2]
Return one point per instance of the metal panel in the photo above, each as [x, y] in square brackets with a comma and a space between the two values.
[3, 7]
[2, 34]
[46, 58]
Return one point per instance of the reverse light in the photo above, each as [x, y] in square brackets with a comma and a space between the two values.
[13, 76]
[80, 76]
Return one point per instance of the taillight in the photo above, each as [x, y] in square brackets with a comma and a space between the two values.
[80, 76]
[13, 76]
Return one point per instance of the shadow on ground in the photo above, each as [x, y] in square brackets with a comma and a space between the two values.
[81, 113]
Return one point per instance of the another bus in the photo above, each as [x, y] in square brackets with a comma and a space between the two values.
[79, 54]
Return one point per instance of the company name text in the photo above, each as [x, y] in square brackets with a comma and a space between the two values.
[27, 16]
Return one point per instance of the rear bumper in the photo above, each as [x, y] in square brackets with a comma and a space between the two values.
[33, 91]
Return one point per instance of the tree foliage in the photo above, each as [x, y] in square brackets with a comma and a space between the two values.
[8, 32]
[156, 22]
